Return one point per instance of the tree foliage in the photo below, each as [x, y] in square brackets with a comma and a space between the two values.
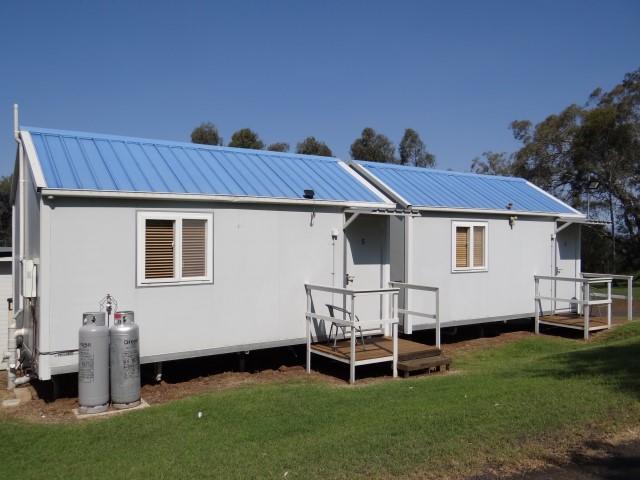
[278, 147]
[312, 146]
[206, 133]
[413, 150]
[373, 146]
[545, 157]
[493, 163]
[587, 154]
[246, 138]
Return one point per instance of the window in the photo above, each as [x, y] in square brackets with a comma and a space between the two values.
[469, 246]
[174, 248]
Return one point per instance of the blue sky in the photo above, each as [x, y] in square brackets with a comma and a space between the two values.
[457, 72]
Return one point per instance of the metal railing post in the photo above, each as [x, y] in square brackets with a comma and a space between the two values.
[408, 320]
[609, 304]
[352, 353]
[394, 328]
[308, 330]
[438, 318]
[536, 306]
[587, 299]
[630, 298]
[555, 294]
[394, 313]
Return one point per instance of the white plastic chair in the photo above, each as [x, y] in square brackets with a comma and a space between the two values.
[332, 310]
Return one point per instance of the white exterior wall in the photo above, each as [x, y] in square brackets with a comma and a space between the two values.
[505, 290]
[30, 250]
[262, 258]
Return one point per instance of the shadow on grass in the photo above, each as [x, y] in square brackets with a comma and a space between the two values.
[595, 460]
[617, 365]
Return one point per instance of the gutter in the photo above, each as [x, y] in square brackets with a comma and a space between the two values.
[555, 215]
[51, 193]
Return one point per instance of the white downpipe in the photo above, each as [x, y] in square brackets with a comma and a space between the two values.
[408, 272]
[22, 191]
[11, 350]
[18, 302]
[11, 320]
[554, 268]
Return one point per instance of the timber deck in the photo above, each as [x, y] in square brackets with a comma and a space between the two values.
[575, 321]
[374, 348]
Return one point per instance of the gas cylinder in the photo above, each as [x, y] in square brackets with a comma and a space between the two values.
[93, 363]
[125, 361]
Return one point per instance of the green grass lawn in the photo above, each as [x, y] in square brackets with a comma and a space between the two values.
[619, 290]
[504, 404]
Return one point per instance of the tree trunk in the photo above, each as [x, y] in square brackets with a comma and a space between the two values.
[613, 233]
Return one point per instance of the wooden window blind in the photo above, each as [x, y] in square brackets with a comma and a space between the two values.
[194, 248]
[462, 247]
[478, 246]
[159, 245]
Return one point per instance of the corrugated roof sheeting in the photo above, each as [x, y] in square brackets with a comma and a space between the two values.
[86, 161]
[424, 187]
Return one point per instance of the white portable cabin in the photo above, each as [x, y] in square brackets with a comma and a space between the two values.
[210, 246]
[480, 239]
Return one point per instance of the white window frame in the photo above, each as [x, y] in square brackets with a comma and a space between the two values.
[177, 218]
[470, 225]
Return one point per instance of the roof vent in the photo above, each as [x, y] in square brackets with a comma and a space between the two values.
[309, 193]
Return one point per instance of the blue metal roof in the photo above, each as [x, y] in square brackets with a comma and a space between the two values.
[89, 161]
[428, 188]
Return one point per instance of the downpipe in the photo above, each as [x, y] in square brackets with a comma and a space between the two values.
[12, 347]
[11, 353]
[21, 359]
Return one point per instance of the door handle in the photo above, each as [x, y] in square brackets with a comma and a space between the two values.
[348, 278]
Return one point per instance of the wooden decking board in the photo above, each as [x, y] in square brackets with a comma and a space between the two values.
[574, 320]
[377, 347]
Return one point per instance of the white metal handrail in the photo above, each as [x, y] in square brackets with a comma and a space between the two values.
[348, 323]
[408, 324]
[608, 275]
[586, 302]
[349, 291]
[352, 322]
[628, 297]
[575, 279]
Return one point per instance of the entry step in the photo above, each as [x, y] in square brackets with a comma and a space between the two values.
[439, 362]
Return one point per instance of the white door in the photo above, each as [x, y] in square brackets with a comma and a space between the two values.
[567, 265]
[367, 263]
